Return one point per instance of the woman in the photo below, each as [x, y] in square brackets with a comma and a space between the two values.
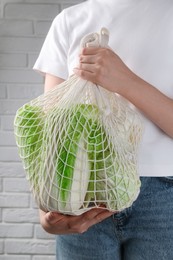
[139, 67]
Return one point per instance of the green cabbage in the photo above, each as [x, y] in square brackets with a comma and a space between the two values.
[73, 164]
[28, 126]
[70, 148]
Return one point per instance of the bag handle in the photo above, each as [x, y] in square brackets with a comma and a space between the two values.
[96, 39]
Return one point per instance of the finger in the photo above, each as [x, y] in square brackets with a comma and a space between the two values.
[86, 75]
[90, 50]
[93, 217]
[92, 214]
[89, 59]
[101, 216]
[53, 217]
[87, 67]
[80, 224]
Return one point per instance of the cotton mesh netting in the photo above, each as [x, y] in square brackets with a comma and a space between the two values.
[79, 145]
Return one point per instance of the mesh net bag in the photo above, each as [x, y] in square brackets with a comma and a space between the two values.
[78, 144]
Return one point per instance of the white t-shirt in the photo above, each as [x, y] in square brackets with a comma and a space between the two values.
[141, 33]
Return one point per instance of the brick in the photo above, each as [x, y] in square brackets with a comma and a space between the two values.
[15, 185]
[41, 234]
[50, 1]
[42, 27]
[33, 203]
[56, 1]
[32, 57]
[16, 230]
[7, 123]
[21, 44]
[1, 246]
[24, 91]
[66, 4]
[14, 1]
[31, 11]
[11, 170]
[0, 215]
[19, 215]
[13, 60]
[3, 90]
[9, 154]
[9, 107]
[13, 257]
[14, 200]
[0, 184]
[29, 247]
[1, 10]
[7, 139]
[19, 76]
[42, 257]
[15, 28]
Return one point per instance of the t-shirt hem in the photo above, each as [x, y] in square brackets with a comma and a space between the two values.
[58, 72]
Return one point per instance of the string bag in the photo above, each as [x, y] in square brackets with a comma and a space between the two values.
[79, 144]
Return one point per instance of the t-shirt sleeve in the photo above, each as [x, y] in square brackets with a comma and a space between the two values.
[53, 55]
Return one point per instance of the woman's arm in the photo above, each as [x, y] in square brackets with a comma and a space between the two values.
[56, 223]
[51, 81]
[105, 68]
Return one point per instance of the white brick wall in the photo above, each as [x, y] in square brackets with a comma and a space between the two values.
[23, 26]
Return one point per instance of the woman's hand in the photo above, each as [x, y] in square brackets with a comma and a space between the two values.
[103, 67]
[56, 223]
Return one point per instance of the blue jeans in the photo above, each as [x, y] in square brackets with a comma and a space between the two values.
[141, 232]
